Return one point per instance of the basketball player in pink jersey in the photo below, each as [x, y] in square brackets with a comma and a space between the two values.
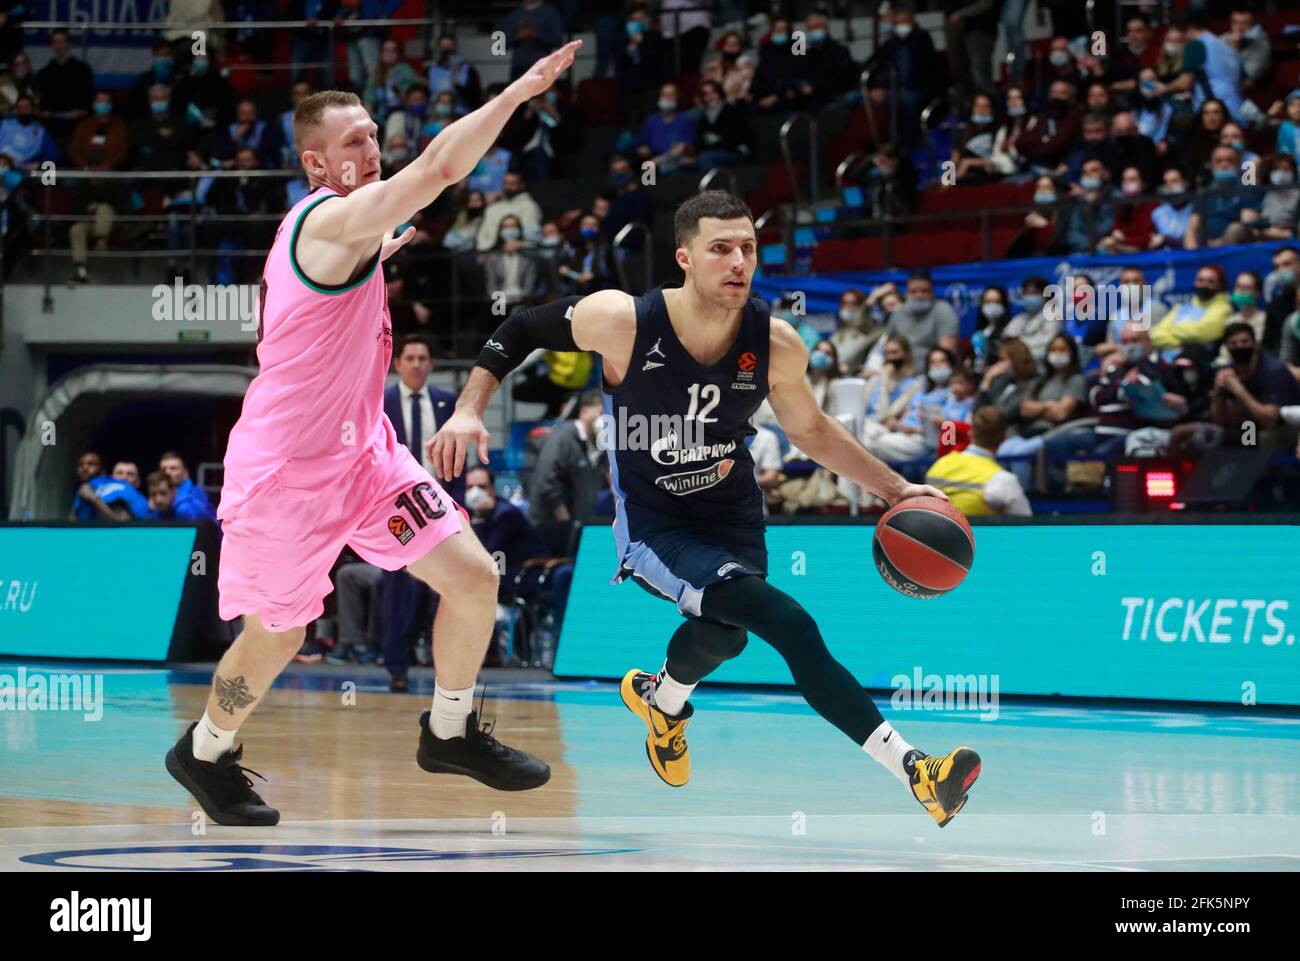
[313, 464]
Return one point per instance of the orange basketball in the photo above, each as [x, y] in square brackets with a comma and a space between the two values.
[923, 547]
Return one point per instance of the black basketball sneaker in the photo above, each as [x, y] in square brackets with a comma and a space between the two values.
[222, 787]
[481, 756]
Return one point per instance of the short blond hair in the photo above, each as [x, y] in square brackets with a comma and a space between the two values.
[311, 112]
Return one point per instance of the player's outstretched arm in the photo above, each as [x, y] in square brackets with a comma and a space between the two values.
[603, 322]
[375, 209]
[816, 433]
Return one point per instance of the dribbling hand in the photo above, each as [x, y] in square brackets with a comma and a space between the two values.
[449, 446]
[918, 490]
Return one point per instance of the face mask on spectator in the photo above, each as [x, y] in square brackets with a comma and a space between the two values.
[1032, 302]
[620, 178]
[1204, 293]
[103, 109]
[1043, 197]
[159, 107]
[1148, 88]
[994, 312]
[713, 110]
[550, 241]
[10, 179]
[417, 109]
[819, 360]
[588, 233]
[1090, 183]
[850, 315]
[476, 498]
[1283, 277]
[200, 64]
[816, 36]
[635, 27]
[1281, 178]
[1059, 58]
[1241, 356]
[1173, 49]
[162, 67]
[1016, 111]
[902, 30]
[1131, 188]
[940, 375]
[1058, 359]
[510, 233]
[442, 109]
[1224, 176]
[1242, 299]
[1134, 352]
[981, 118]
[919, 305]
[667, 104]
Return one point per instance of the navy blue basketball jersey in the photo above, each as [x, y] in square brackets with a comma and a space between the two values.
[676, 429]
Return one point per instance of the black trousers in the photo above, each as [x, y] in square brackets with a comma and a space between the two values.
[749, 604]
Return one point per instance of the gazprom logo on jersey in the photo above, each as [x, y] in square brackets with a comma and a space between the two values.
[211, 303]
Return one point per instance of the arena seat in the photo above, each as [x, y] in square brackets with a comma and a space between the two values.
[600, 101]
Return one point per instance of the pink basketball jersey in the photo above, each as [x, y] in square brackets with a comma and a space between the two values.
[323, 352]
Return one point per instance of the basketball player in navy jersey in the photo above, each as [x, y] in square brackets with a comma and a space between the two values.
[689, 514]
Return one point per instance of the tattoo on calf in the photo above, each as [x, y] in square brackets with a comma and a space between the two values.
[232, 695]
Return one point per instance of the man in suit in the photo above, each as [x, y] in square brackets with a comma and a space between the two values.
[417, 410]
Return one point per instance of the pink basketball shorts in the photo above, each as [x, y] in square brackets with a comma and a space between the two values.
[281, 542]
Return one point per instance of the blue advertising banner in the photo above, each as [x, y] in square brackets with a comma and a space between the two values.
[117, 54]
[1189, 612]
[1170, 273]
[91, 592]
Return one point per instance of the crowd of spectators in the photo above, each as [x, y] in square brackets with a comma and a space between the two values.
[168, 493]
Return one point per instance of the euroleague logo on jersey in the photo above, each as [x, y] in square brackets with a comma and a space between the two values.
[398, 527]
[745, 375]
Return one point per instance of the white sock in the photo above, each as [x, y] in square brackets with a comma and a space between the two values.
[450, 709]
[209, 742]
[888, 747]
[669, 695]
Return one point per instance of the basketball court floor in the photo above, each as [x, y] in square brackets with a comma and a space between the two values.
[1075, 787]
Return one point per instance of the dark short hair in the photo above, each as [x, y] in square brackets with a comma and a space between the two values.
[1035, 283]
[988, 425]
[410, 339]
[157, 477]
[492, 476]
[718, 204]
[920, 275]
[1240, 327]
[591, 398]
[170, 455]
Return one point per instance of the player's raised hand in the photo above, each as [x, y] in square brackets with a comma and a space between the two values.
[393, 244]
[449, 446]
[543, 73]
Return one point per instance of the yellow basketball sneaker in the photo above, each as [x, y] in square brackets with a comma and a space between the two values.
[665, 745]
[941, 783]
